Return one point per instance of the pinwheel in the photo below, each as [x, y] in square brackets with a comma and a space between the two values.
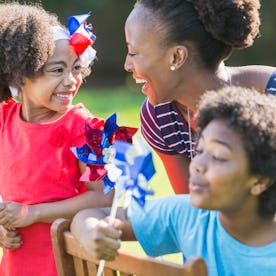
[131, 168]
[96, 152]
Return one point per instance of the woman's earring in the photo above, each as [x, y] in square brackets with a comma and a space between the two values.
[172, 68]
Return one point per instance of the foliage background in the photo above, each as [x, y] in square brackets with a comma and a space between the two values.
[108, 17]
[110, 89]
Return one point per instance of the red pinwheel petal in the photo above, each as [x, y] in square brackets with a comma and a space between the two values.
[131, 130]
[94, 139]
[93, 173]
[96, 173]
[123, 134]
[79, 42]
[86, 175]
[96, 123]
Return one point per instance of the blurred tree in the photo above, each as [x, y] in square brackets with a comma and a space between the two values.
[108, 18]
[263, 50]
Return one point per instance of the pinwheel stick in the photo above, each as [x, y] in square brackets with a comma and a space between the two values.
[113, 212]
[129, 178]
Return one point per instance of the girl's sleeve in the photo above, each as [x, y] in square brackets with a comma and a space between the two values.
[271, 85]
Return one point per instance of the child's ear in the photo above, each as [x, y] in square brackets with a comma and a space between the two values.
[262, 184]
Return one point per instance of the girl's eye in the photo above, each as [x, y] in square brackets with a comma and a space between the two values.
[57, 70]
[77, 67]
[131, 54]
[218, 158]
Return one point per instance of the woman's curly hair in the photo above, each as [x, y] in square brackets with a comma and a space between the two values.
[236, 23]
[252, 115]
[26, 42]
[214, 26]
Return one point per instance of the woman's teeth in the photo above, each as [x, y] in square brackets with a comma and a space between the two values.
[140, 81]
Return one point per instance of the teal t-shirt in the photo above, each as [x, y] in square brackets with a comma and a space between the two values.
[172, 224]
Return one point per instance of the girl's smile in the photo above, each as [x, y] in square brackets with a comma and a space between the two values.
[48, 96]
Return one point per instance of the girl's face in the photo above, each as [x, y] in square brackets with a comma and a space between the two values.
[50, 95]
[219, 173]
[147, 58]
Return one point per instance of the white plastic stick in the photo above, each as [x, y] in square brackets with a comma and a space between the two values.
[113, 212]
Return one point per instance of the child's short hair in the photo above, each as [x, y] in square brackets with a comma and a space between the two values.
[253, 116]
[26, 42]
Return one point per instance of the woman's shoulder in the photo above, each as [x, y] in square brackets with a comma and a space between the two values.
[252, 76]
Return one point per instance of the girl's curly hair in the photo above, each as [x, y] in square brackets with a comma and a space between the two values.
[26, 42]
[252, 115]
[214, 26]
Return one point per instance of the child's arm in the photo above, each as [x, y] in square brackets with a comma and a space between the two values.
[100, 239]
[15, 215]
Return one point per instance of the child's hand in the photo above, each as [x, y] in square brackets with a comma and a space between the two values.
[103, 241]
[14, 215]
[9, 239]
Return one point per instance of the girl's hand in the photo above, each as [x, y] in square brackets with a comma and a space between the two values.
[14, 215]
[103, 241]
[9, 239]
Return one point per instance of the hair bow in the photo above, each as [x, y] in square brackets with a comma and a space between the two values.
[82, 38]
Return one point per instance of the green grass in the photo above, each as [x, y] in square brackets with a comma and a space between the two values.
[126, 104]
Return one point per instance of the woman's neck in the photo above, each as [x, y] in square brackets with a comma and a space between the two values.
[194, 86]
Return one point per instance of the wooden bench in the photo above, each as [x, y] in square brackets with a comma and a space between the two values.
[72, 260]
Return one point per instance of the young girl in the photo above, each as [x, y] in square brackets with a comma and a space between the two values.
[177, 49]
[228, 217]
[39, 174]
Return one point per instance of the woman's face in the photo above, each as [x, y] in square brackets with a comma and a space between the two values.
[219, 173]
[147, 58]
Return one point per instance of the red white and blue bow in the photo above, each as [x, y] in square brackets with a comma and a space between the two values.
[82, 38]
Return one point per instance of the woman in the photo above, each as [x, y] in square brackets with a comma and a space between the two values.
[178, 48]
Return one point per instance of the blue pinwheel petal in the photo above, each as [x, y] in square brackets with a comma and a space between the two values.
[139, 194]
[147, 166]
[105, 142]
[110, 125]
[109, 128]
[120, 150]
[75, 21]
[85, 154]
[108, 185]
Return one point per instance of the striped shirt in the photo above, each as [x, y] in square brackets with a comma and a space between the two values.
[166, 130]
